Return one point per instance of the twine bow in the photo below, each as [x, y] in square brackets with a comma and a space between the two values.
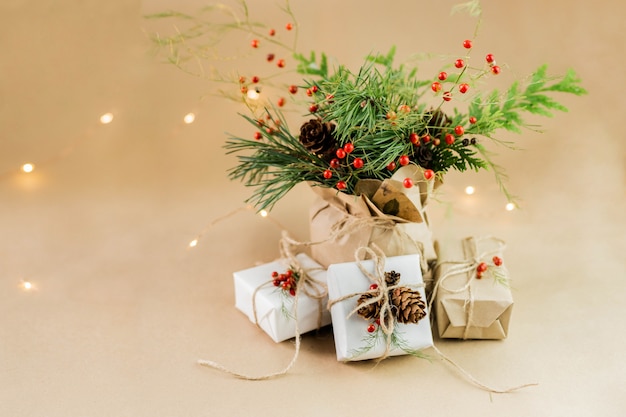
[468, 268]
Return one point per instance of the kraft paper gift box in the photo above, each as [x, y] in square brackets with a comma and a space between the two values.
[275, 307]
[353, 342]
[467, 307]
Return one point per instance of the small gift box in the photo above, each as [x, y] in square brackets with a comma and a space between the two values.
[267, 295]
[473, 299]
[378, 307]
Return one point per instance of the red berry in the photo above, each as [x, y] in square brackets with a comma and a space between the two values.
[254, 43]
[309, 92]
[281, 63]
[429, 173]
[371, 328]
[330, 97]
[340, 153]
[255, 79]
[472, 120]
[479, 275]
[275, 274]
[489, 58]
[289, 273]
[334, 163]
[328, 174]
[447, 96]
[459, 63]
[449, 138]
[463, 88]
[272, 32]
[404, 160]
[289, 26]
[244, 89]
[341, 185]
[495, 70]
[459, 130]
[497, 261]
[281, 102]
[348, 147]
[258, 135]
[373, 286]
[442, 75]
[314, 88]
[426, 138]
[293, 89]
[292, 292]
[276, 283]
[242, 79]
[414, 138]
[404, 108]
[270, 57]
[358, 163]
[467, 44]
[391, 166]
[407, 183]
[436, 141]
[436, 86]
[313, 108]
[482, 267]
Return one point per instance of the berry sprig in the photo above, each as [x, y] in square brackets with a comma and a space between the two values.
[483, 267]
[287, 281]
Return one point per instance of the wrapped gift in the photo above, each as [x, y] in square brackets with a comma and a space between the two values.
[378, 307]
[383, 213]
[473, 299]
[267, 295]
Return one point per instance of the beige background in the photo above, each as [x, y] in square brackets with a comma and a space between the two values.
[122, 309]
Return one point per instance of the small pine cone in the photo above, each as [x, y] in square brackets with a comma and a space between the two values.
[436, 121]
[392, 278]
[317, 137]
[410, 308]
[371, 311]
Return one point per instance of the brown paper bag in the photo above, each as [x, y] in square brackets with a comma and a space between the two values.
[384, 213]
[467, 307]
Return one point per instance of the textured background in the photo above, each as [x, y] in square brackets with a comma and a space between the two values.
[122, 308]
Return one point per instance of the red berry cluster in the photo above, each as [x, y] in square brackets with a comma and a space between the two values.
[269, 125]
[270, 57]
[460, 63]
[287, 281]
[482, 267]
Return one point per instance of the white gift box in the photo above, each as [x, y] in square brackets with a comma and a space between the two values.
[353, 342]
[274, 306]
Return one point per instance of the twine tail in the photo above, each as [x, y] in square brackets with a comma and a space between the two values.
[475, 381]
[215, 365]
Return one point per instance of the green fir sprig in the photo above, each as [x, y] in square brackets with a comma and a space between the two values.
[383, 115]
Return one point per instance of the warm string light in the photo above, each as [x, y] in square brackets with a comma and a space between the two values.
[106, 118]
[28, 168]
[189, 118]
[510, 206]
[469, 190]
[27, 286]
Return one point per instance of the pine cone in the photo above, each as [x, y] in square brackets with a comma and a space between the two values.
[423, 156]
[410, 308]
[436, 121]
[392, 278]
[371, 311]
[317, 137]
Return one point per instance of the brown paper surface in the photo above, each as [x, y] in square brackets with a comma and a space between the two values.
[492, 301]
[396, 236]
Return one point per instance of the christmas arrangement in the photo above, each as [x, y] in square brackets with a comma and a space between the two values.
[374, 143]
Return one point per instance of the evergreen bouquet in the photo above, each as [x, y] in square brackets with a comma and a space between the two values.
[374, 142]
